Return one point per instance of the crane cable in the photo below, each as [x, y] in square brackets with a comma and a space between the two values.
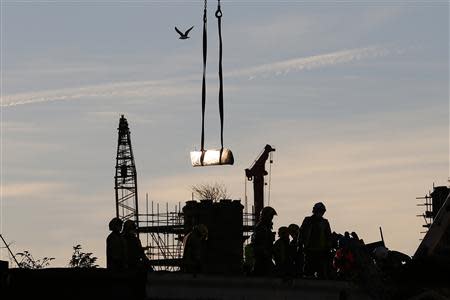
[245, 194]
[204, 78]
[270, 176]
[219, 25]
[218, 15]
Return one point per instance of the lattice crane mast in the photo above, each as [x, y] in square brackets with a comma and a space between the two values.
[125, 178]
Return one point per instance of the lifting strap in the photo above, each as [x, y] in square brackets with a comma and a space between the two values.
[223, 156]
[219, 24]
[204, 80]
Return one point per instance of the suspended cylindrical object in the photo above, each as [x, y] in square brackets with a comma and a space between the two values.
[212, 157]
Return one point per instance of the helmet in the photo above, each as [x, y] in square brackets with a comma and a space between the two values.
[319, 207]
[268, 212]
[283, 231]
[129, 225]
[380, 252]
[293, 228]
[202, 230]
[115, 223]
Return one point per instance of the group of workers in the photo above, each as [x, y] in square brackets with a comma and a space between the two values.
[124, 249]
[299, 250]
[305, 253]
[312, 250]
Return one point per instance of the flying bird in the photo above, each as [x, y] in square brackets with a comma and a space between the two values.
[183, 36]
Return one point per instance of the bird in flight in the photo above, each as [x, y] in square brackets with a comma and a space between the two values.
[183, 36]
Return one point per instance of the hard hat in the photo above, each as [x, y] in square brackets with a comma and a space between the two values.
[115, 222]
[268, 211]
[380, 252]
[129, 225]
[319, 207]
[202, 229]
[283, 230]
[293, 227]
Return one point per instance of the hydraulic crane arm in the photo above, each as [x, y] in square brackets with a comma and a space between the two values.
[256, 174]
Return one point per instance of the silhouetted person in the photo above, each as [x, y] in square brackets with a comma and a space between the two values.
[115, 247]
[193, 252]
[344, 258]
[136, 258]
[249, 259]
[296, 250]
[281, 253]
[365, 272]
[262, 241]
[315, 234]
[389, 262]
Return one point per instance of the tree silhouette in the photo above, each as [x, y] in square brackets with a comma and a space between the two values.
[27, 261]
[207, 191]
[81, 259]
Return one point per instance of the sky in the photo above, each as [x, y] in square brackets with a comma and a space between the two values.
[354, 96]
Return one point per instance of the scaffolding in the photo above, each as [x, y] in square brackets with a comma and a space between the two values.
[426, 214]
[432, 203]
[162, 229]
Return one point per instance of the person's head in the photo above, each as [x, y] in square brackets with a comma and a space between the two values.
[201, 230]
[129, 227]
[267, 214]
[380, 253]
[319, 209]
[283, 233]
[354, 235]
[115, 225]
[293, 230]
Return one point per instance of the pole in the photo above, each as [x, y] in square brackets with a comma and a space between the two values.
[381, 234]
[12, 254]
[146, 215]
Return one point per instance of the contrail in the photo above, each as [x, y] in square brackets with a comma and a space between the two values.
[173, 87]
[311, 62]
[121, 89]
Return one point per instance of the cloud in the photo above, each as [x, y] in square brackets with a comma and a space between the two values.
[31, 189]
[311, 62]
[20, 127]
[181, 86]
[157, 88]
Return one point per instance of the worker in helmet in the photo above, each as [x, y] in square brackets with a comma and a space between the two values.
[115, 247]
[136, 258]
[193, 251]
[281, 254]
[262, 241]
[315, 235]
[296, 250]
[388, 261]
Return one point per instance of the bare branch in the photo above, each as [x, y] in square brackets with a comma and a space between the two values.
[207, 191]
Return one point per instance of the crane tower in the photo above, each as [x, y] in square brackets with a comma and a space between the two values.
[126, 177]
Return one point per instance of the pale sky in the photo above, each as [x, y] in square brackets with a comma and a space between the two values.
[354, 96]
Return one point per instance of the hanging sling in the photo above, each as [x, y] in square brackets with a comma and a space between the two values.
[223, 156]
